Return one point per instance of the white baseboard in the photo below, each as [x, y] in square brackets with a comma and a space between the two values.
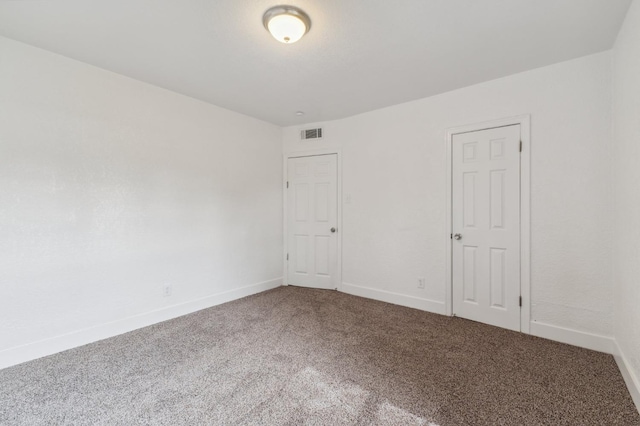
[30, 351]
[595, 342]
[630, 378]
[395, 298]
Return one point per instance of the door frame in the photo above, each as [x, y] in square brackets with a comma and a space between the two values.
[525, 211]
[285, 225]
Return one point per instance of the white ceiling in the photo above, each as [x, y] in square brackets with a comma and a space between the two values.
[360, 55]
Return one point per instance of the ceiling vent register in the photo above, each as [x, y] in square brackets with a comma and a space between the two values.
[311, 134]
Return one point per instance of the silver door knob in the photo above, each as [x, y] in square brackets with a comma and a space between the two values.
[457, 236]
[333, 229]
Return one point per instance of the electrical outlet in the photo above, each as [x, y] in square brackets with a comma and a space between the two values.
[166, 290]
[421, 283]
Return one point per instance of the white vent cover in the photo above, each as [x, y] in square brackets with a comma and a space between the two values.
[311, 134]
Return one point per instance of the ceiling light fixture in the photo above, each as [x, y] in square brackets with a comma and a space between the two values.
[287, 24]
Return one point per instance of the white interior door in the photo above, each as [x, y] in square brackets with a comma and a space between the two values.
[312, 213]
[486, 226]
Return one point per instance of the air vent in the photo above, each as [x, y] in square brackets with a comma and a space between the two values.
[311, 134]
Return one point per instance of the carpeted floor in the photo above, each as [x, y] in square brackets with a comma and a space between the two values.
[300, 356]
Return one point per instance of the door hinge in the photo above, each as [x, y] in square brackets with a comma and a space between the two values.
[451, 236]
[520, 146]
[287, 184]
[520, 301]
[287, 256]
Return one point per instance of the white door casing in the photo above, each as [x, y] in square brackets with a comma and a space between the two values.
[486, 216]
[312, 212]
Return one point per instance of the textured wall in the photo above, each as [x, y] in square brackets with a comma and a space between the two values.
[111, 188]
[394, 171]
[626, 170]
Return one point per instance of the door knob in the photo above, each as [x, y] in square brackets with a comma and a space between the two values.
[457, 236]
[333, 229]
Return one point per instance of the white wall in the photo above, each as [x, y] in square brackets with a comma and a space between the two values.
[626, 171]
[394, 170]
[111, 188]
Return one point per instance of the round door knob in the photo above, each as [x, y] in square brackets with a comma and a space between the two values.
[333, 229]
[457, 236]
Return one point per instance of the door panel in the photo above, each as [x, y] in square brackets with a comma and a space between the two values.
[312, 212]
[469, 276]
[300, 254]
[486, 215]
[302, 203]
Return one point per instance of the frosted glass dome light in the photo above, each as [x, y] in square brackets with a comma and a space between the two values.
[287, 24]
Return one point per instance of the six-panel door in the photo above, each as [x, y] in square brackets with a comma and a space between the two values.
[311, 214]
[486, 226]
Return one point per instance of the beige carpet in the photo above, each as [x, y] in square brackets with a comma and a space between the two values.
[298, 356]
